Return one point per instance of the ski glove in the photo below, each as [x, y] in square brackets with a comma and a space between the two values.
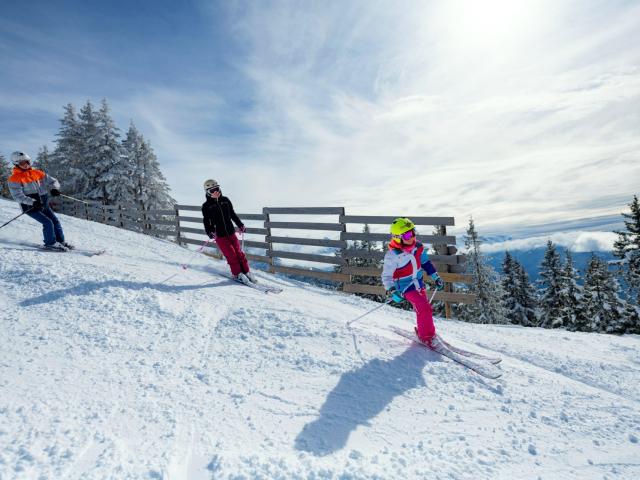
[242, 228]
[438, 281]
[55, 192]
[36, 205]
[394, 295]
[211, 235]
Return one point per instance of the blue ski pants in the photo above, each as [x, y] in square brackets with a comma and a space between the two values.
[51, 228]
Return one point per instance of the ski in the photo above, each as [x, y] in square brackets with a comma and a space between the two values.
[484, 369]
[79, 251]
[40, 248]
[467, 353]
[86, 252]
[257, 286]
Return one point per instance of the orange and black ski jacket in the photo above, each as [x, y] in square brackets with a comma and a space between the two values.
[29, 185]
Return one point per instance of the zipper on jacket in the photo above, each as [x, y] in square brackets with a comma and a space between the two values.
[222, 216]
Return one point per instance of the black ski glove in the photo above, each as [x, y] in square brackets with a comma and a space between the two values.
[36, 205]
[55, 192]
[211, 235]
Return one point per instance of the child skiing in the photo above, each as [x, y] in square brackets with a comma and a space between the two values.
[217, 214]
[402, 275]
[30, 188]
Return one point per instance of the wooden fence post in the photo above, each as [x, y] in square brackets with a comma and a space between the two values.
[145, 220]
[175, 207]
[343, 251]
[442, 249]
[120, 217]
[269, 250]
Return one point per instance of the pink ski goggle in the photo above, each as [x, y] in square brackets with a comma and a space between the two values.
[407, 235]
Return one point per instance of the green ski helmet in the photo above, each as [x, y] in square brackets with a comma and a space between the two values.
[401, 225]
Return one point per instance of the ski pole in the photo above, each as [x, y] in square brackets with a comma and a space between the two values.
[433, 296]
[199, 250]
[74, 199]
[367, 313]
[241, 234]
[16, 217]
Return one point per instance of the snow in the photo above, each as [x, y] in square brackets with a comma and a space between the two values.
[125, 365]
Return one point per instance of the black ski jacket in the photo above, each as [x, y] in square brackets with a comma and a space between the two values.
[217, 216]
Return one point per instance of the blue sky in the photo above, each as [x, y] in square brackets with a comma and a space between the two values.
[518, 113]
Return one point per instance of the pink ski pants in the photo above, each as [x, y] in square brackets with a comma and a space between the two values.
[424, 313]
[230, 248]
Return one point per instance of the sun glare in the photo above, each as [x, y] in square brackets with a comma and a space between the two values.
[487, 23]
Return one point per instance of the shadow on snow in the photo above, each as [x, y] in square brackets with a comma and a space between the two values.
[360, 396]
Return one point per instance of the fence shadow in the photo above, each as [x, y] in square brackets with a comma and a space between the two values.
[361, 395]
[89, 287]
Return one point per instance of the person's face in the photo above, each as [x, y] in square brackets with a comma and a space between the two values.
[24, 164]
[408, 238]
[214, 192]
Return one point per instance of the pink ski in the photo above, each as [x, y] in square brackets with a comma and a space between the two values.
[484, 369]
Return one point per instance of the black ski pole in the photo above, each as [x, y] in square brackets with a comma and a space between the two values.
[15, 218]
[74, 199]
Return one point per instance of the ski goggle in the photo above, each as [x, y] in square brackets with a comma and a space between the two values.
[406, 235]
[213, 190]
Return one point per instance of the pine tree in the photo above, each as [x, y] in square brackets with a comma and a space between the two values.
[133, 149]
[527, 298]
[552, 285]
[572, 314]
[627, 249]
[107, 167]
[486, 285]
[631, 316]
[603, 308]
[67, 158]
[5, 173]
[44, 159]
[510, 287]
[150, 188]
[157, 188]
[520, 296]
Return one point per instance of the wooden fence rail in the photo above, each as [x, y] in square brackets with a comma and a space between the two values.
[326, 243]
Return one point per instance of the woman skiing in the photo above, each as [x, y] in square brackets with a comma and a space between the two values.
[402, 275]
[30, 188]
[218, 213]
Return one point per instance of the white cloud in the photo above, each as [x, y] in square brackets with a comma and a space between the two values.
[574, 241]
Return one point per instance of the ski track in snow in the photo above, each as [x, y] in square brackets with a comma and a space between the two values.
[126, 366]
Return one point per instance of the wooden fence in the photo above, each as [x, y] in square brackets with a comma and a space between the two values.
[269, 240]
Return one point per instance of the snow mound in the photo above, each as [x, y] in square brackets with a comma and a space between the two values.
[125, 365]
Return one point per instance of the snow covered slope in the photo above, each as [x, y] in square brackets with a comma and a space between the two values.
[125, 365]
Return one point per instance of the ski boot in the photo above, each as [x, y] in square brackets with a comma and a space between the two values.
[55, 247]
[242, 278]
[252, 278]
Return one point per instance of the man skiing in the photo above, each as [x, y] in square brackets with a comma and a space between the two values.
[30, 187]
[218, 213]
[402, 275]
